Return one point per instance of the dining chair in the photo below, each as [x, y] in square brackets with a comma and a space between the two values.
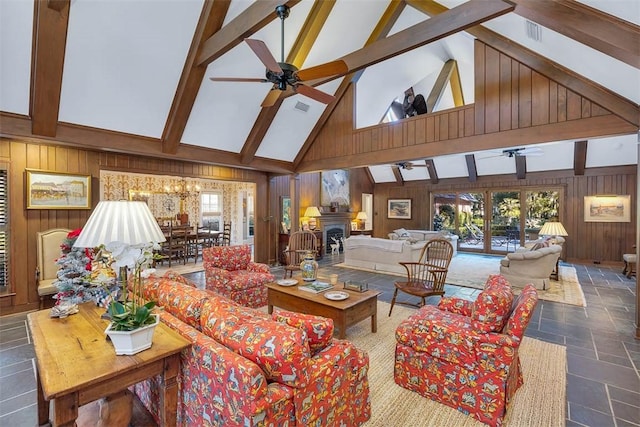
[225, 238]
[426, 277]
[176, 247]
[300, 242]
[48, 250]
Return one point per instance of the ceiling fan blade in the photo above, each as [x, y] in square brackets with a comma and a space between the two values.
[271, 98]
[323, 70]
[314, 93]
[237, 79]
[262, 52]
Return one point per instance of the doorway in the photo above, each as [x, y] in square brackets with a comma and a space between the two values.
[494, 221]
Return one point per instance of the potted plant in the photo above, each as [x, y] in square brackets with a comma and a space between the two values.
[132, 320]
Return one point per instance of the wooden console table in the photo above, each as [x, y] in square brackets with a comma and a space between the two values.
[77, 364]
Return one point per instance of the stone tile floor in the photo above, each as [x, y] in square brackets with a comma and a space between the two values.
[603, 380]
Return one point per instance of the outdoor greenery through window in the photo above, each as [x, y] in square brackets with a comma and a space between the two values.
[494, 221]
[211, 210]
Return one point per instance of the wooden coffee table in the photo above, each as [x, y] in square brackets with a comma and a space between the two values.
[77, 365]
[345, 313]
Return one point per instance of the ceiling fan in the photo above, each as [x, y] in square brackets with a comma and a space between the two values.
[284, 75]
[517, 152]
[409, 165]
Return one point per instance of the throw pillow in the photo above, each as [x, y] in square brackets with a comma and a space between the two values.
[401, 232]
[491, 309]
[319, 329]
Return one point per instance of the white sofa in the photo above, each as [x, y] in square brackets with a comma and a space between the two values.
[423, 236]
[382, 255]
[530, 266]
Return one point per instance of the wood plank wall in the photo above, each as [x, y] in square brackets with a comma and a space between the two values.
[587, 241]
[20, 155]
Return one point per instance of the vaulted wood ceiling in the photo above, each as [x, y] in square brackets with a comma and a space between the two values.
[134, 76]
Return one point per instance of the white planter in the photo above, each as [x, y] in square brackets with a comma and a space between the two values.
[132, 342]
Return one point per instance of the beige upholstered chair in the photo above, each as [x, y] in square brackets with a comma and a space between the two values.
[48, 250]
[531, 266]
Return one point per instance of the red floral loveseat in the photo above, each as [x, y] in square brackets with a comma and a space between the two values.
[465, 354]
[230, 272]
[248, 368]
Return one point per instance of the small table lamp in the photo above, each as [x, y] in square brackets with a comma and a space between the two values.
[312, 213]
[362, 218]
[554, 229]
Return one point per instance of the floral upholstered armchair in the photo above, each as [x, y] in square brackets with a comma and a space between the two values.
[464, 354]
[229, 271]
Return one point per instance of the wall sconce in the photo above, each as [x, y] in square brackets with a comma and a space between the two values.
[312, 213]
[361, 218]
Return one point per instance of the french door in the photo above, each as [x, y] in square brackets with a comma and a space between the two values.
[494, 221]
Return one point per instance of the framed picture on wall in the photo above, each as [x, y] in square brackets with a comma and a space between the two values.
[607, 208]
[399, 208]
[54, 190]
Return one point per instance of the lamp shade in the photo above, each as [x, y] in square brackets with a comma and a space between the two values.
[312, 212]
[552, 229]
[362, 216]
[120, 221]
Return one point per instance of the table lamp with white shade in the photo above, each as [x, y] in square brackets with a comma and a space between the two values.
[312, 213]
[553, 229]
[361, 218]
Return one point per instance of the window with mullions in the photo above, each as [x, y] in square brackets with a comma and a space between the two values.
[4, 230]
[211, 210]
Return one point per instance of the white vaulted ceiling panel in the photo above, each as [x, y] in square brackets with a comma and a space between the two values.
[451, 166]
[123, 61]
[555, 156]
[382, 173]
[16, 27]
[613, 151]
[494, 163]
[419, 171]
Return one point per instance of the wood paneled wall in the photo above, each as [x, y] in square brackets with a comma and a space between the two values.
[20, 155]
[587, 242]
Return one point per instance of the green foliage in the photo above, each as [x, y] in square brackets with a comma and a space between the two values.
[128, 317]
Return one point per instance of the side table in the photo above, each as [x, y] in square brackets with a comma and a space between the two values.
[77, 364]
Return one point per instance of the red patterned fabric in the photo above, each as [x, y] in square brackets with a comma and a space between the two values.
[442, 355]
[221, 385]
[319, 329]
[229, 271]
[491, 308]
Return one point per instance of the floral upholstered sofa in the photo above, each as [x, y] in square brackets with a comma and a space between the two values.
[465, 354]
[248, 368]
[230, 272]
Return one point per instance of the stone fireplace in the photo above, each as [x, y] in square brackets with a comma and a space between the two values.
[334, 225]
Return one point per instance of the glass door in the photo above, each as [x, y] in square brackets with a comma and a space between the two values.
[505, 227]
[471, 227]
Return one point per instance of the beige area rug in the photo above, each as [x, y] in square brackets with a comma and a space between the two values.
[471, 271]
[539, 402]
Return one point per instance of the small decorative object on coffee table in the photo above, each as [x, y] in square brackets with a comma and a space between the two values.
[356, 286]
[309, 267]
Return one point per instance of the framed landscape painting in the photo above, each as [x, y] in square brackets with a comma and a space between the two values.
[53, 190]
[607, 208]
[399, 208]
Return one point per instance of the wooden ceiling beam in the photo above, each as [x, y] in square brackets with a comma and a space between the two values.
[17, 126]
[521, 167]
[255, 17]
[459, 18]
[397, 174]
[605, 33]
[211, 20]
[556, 72]
[382, 29]
[608, 125]
[471, 167]
[456, 86]
[579, 157]
[51, 21]
[441, 84]
[301, 47]
[433, 172]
